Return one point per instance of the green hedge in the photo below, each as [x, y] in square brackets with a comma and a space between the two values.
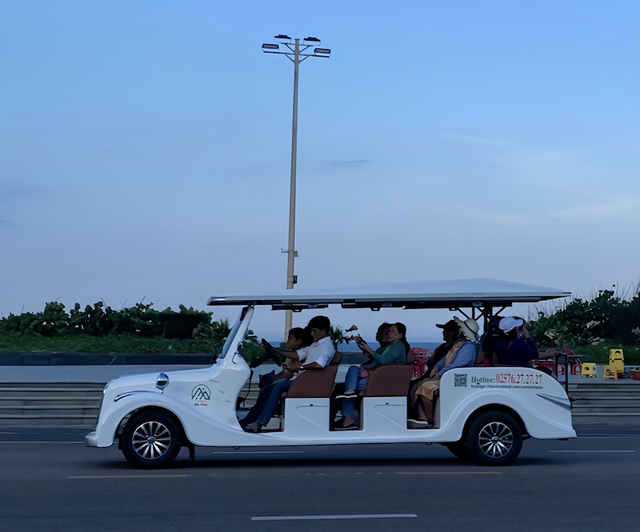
[603, 320]
[100, 329]
[98, 320]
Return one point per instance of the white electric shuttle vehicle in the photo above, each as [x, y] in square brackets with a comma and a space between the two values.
[483, 412]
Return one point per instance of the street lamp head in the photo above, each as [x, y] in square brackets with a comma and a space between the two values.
[322, 52]
[313, 40]
[267, 46]
[282, 38]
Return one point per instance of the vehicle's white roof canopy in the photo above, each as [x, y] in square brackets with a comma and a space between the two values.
[429, 294]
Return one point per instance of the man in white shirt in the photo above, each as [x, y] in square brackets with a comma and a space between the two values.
[317, 356]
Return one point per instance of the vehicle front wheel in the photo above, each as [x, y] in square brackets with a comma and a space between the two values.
[494, 438]
[151, 439]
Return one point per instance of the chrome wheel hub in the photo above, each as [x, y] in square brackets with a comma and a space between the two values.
[495, 439]
[151, 440]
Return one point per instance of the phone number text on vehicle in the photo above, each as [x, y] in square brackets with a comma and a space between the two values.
[518, 378]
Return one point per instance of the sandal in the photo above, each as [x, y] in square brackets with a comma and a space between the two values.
[420, 423]
[350, 426]
[352, 395]
[254, 427]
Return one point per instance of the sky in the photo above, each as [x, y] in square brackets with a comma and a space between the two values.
[145, 149]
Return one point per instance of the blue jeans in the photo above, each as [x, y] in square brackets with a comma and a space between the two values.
[268, 401]
[352, 381]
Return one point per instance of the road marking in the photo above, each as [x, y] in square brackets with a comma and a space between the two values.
[448, 472]
[128, 476]
[45, 442]
[314, 517]
[607, 437]
[593, 451]
[258, 452]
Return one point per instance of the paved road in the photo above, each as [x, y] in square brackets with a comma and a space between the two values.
[50, 481]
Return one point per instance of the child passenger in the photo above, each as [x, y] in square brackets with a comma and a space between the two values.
[297, 338]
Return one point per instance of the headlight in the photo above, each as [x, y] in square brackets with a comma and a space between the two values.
[162, 381]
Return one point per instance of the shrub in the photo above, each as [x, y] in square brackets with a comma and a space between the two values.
[605, 318]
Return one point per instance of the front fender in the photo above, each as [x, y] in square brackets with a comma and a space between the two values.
[197, 427]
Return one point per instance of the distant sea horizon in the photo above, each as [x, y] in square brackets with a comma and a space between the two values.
[351, 347]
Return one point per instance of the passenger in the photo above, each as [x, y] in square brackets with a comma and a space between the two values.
[513, 346]
[393, 350]
[339, 388]
[450, 332]
[462, 353]
[297, 338]
[314, 357]
[381, 334]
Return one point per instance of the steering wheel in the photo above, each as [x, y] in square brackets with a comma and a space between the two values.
[269, 354]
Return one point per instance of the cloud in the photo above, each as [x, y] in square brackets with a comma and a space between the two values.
[12, 194]
[481, 140]
[12, 189]
[501, 218]
[343, 164]
[553, 168]
[612, 207]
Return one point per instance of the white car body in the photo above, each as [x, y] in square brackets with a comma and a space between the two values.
[203, 401]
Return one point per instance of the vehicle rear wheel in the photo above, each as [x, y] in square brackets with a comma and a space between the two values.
[459, 449]
[494, 438]
[151, 439]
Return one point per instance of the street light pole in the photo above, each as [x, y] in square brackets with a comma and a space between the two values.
[297, 53]
[291, 280]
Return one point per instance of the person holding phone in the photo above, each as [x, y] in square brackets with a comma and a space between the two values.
[394, 350]
[513, 346]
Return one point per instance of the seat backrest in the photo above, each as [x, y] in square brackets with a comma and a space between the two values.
[315, 382]
[392, 380]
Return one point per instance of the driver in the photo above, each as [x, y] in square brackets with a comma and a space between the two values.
[316, 356]
[297, 338]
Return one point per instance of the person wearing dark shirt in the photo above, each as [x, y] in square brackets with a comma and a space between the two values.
[450, 331]
[511, 348]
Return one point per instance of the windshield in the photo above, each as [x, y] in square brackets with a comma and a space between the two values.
[233, 332]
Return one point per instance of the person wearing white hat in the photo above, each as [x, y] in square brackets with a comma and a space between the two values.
[513, 346]
[463, 353]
